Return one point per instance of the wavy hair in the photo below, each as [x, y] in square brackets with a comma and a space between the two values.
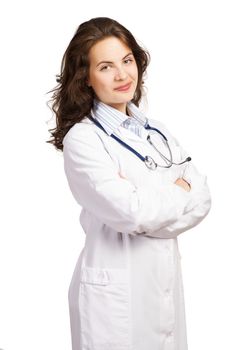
[72, 98]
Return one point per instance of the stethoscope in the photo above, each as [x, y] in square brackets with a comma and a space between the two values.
[149, 162]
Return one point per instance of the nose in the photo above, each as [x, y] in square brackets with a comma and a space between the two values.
[120, 73]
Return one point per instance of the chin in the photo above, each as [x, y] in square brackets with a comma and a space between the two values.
[123, 99]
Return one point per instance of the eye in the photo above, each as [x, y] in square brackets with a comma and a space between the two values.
[104, 67]
[129, 59]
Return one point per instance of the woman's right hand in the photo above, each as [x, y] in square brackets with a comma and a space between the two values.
[180, 182]
[184, 184]
[123, 177]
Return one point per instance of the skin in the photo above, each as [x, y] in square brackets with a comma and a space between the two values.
[104, 78]
[111, 65]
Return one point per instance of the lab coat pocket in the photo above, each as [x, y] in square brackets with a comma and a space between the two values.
[104, 309]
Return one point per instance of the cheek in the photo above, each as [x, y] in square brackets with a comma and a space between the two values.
[102, 87]
[106, 85]
[102, 81]
[134, 72]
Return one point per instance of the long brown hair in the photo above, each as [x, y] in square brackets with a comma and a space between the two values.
[72, 99]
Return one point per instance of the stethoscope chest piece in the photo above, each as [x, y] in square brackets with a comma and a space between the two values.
[150, 163]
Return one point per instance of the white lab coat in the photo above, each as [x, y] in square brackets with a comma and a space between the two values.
[126, 291]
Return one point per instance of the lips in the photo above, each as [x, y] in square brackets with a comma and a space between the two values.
[123, 87]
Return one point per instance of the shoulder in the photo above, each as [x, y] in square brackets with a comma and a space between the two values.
[162, 127]
[78, 128]
[156, 123]
[83, 137]
[85, 129]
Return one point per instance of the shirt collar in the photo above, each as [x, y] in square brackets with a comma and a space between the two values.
[110, 118]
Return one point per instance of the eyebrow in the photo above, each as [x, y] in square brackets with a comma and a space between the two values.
[130, 53]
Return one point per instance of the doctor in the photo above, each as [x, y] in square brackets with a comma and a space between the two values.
[138, 190]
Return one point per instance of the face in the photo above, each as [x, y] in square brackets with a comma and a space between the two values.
[112, 65]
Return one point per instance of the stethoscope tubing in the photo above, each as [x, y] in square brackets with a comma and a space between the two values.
[150, 163]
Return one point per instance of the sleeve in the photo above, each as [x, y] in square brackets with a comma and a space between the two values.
[199, 205]
[96, 185]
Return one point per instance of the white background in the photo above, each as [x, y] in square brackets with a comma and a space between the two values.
[190, 89]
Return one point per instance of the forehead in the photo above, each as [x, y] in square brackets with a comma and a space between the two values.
[108, 49]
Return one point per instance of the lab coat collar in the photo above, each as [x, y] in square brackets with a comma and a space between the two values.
[110, 118]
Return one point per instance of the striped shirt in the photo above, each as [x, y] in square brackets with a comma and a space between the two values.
[110, 118]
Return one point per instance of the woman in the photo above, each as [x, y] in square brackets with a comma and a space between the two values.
[138, 190]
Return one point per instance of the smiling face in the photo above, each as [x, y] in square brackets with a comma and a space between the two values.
[112, 65]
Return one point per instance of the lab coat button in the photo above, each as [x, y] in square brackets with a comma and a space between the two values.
[127, 122]
[168, 292]
[169, 334]
[103, 277]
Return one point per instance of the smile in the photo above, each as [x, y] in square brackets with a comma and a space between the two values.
[124, 87]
